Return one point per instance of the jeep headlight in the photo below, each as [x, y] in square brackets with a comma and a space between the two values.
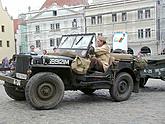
[29, 71]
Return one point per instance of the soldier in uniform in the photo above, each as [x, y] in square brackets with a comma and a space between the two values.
[100, 62]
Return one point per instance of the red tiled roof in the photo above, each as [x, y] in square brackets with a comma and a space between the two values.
[16, 22]
[48, 3]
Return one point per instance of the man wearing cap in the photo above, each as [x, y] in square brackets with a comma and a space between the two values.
[102, 55]
[33, 50]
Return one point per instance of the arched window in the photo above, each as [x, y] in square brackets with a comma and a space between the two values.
[145, 50]
[130, 51]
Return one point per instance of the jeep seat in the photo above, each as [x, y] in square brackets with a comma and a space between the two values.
[121, 56]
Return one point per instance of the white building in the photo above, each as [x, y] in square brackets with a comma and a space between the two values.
[44, 28]
[7, 42]
[143, 20]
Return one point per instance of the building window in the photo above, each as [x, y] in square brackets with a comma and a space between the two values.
[54, 13]
[38, 44]
[158, 30]
[0, 43]
[148, 33]
[158, 2]
[37, 28]
[99, 19]
[93, 20]
[140, 14]
[3, 28]
[114, 17]
[58, 40]
[57, 26]
[52, 27]
[52, 42]
[74, 23]
[8, 43]
[147, 14]
[140, 33]
[124, 16]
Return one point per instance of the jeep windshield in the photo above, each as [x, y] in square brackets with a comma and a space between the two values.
[78, 44]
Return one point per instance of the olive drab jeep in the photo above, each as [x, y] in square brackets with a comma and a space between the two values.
[42, 79]
[154, 68]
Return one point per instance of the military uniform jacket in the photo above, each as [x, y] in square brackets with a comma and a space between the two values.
[103, 54]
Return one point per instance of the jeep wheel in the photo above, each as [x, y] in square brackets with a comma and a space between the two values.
[122, 87]
[14, 91]
[143, 82]
[88, 91]
[44, 90]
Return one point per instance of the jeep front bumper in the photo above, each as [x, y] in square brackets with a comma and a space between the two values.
[11, 80]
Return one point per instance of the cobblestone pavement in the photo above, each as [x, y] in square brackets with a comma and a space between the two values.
[145, 107]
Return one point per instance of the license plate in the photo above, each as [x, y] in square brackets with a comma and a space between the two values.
[21, 76]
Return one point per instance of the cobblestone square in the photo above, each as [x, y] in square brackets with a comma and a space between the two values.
[145, 107]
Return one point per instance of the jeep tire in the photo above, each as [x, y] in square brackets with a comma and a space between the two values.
[14, 91]
[122, 87]
[44, 90]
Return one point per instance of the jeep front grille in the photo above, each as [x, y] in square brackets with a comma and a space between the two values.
[22, 63]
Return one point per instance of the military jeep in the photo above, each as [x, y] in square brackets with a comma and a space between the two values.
[154, 69]
[42, 79]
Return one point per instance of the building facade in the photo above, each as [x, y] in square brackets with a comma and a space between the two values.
[142, 20]
[7, 42]
[44, 28]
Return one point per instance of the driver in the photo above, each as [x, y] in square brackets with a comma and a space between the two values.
[100, 62]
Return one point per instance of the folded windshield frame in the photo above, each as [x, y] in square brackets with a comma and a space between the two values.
[76, 41]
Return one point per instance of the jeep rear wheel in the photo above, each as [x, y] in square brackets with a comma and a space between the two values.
[122, 87]
[44, 90]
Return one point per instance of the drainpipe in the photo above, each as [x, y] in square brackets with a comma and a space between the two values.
[85, 25]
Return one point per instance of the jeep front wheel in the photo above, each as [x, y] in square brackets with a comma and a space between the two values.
[44, 90]
[122, 87]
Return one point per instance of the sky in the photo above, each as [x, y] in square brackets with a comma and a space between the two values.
[16, 7]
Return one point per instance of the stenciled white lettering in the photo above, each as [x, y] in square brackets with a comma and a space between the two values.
[59, 62]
